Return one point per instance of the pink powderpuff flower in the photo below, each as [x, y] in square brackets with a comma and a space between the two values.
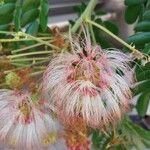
[23, 124]
[90, 82]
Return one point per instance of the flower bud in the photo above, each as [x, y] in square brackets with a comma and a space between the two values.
[13, 80]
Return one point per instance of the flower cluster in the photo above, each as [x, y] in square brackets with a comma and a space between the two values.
[86, 87]
[24, 124]
[90, 83]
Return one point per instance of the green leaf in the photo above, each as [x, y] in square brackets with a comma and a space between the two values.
[137, 130]
[80, 8]
[141, 68]
[143, 75]
[33, 28]
[30, 4]
[120, 147]
[6, 9]
[140, 18]
[143, 26]
[146, 15]
[100, 12]
[17, 16]
[10, 1]
[112, 27]
[143, 102]
[4, 27]
[6, 19]
[142, 87]
[133, 2]
[29, 16]
[44, 9]
[137, 135]
[132, 13]
[146, 49]
[139, 38]
[96, 138]
[148, 4]
[142, 132]
[101, 39]
[101, 36]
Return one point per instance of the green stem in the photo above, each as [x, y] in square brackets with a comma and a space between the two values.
[16, 69]
[39, 63]
[92, 34]
[86, 14]
[31, 37]
[36, 73]
[30, 59]
[115, 37]
[7, 32]
[39, 67]
[43, 34]
[26, 48]
[20, 65]
[29, 54]
[38, 40]
[22, 39]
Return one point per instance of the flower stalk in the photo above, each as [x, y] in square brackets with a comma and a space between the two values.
[22, 39]
[38, 40]
[36, 73]
[26, 48]
[29, 54]
[110, 33]
[30, 59]
[86, 14]
[28, 36]
[135, 51]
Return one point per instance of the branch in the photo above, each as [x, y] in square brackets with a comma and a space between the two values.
[86, 14]
[137, 53]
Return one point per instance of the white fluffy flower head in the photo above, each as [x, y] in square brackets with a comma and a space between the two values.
[24, 125]
[90, 82]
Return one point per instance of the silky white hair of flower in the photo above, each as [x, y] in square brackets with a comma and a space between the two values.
[24, 125]
[89, 82]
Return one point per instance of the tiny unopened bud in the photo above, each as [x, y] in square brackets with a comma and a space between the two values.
[35, 97]
[13, 80]
[18, 35]
[138, 54]
[5, 64]
[144, 62]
